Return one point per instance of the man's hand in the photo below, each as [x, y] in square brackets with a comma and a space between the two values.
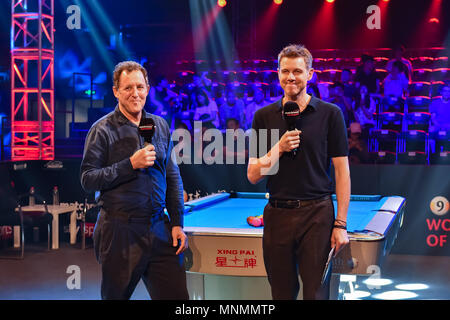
[144, 158]
[289, 141]
[178, 234]
[339, 239]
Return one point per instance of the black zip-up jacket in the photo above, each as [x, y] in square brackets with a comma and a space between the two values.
[106, 167]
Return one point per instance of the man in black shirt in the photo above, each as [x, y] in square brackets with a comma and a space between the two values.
[133, 238]
[299, 223]
[366, 74]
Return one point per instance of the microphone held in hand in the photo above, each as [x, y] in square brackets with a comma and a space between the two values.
[147, 129]
[291, 113]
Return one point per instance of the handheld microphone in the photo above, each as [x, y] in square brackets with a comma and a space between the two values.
[291, 113]
[147, 130]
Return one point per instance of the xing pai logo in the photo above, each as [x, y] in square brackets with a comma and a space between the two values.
[439, 206]
[236, 258]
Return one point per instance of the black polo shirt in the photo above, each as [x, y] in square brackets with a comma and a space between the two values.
[324, 136]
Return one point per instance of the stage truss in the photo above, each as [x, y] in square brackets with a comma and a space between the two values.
[32, 80]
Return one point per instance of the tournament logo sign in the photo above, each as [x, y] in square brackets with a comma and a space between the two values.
[439, 206]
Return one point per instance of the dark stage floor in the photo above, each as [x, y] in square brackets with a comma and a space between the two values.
[43, 275]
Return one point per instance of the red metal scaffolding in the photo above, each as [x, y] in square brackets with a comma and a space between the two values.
[32, 80]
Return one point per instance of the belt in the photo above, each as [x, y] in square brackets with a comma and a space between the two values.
[295, 204]
[124, 217]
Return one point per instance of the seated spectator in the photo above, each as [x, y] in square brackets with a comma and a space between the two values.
[202, 104]
[198, 140]
[275, 91]
[259, 101]
[366, 74]
[231, 108]
[181, 109]
[200, 81]
[238, 150]
[313, 88]
[337, 97]
[161, 98]
[396, 84]
[397, 55]
[350, 90]
[218, 94]
[358, 150]
[245, 97]
[364, 107]
[440, 111]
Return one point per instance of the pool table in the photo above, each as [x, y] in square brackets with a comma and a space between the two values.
[222, 243]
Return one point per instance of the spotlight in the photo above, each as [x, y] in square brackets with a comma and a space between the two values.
[278, 2]
[396, 295]
[221, 3]
[433, 20]
[412, 286]
[330, 1]
[357, 295]
[377, 282]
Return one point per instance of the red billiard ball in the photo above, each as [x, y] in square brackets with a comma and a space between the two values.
[255, 221]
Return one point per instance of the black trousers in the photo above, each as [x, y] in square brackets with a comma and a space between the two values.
[140, 248]
[298, 241]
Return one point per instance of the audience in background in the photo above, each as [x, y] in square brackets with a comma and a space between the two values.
[356, 95]
[440, 111]
[161, 99]
[200, 81]
[396, 83]
[202, 104]
[259, 101]
[350, 90]
[357, 146]
[364, 107]
[406, 66]
[275, 91]
[245, 96]
[366, 74]
[238, 148]
[231, 108]
[181, 109]
[337, 97]
[198, 139]
[313, 88]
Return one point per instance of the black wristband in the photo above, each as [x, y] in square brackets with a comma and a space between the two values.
[341, 221]
[340, 227]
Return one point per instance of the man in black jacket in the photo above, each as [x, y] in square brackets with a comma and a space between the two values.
[133, 238]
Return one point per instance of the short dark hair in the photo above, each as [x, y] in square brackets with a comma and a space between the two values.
[128, 66]
[296, 51]
[200, 92]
